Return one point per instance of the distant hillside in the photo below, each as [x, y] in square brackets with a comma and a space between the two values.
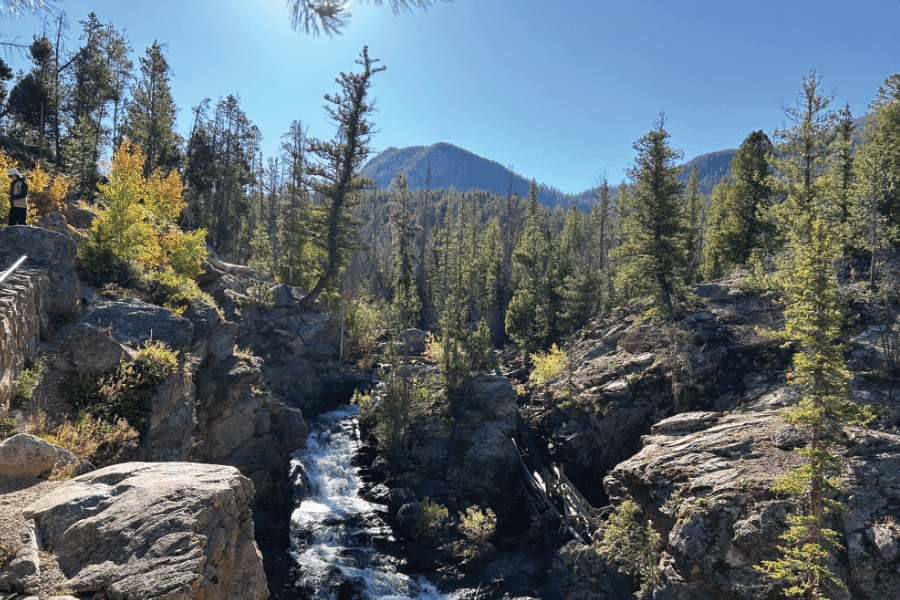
[450, 165]
[713, 166]
[710, 168]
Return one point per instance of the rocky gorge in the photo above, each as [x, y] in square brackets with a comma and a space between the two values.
[680, 417]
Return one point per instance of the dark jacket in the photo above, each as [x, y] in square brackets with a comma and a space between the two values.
[18, 193]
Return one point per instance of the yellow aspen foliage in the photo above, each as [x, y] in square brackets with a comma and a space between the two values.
[137, 224]
[45, 194]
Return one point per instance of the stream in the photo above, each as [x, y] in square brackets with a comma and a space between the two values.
[343, 548]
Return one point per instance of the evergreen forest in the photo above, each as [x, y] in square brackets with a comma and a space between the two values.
[533, 273]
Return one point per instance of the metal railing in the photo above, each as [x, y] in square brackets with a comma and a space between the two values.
[10, 270]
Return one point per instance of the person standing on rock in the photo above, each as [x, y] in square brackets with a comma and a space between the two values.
[18, 198]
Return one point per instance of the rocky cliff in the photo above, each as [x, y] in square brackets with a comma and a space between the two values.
[244, 374]
[682, 417]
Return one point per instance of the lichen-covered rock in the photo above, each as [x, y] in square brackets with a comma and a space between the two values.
[25, 455]
[282, 296]
[483, 455]
[172, 422]
[684, 423]
[243, 426]
[133, 322]
[708, 493]
[579, 573]
[138, 531]
[80, 218]
[48, 250]
[86, 348]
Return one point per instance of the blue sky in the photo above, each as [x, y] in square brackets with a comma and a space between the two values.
[560, 90]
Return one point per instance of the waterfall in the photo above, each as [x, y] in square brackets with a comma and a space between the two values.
[340, 542]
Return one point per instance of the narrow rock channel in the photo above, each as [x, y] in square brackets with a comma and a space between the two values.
[342, 546]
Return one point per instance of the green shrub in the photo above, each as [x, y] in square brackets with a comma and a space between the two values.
[547, 365]
[176, 292]
[7, 428]
[124, 392]
[363, 324]
[429, 514]
[630, 545]
[25, 382]
[479, 526]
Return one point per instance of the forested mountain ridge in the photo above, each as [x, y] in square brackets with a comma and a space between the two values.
[450, 165]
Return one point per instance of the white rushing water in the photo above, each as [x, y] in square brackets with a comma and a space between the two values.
[335, 532]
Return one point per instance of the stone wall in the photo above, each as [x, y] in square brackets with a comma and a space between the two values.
[24, 297]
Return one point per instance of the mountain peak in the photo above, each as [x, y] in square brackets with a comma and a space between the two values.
[450, 165]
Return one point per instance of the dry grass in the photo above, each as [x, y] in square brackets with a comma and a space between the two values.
[88, 438]
[246, 354]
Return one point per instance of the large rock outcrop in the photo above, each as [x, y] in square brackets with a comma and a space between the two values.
[623, 379]
[481, 461]
[137, 531]
[87, 349]
[298, 349]
[227, 417]
[704, 480]
[50, 251]
[132, 322]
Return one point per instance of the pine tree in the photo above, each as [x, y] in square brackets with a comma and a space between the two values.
[293, 146]
[805, 151]
[813, 319]
[336, 176]
[309, 15]
[151, 114]
[602, 217]
[116, 50]
[738, 220]
[262, 259]
[79, 153]
[693, 218]
[406, 302]
[877, 212]
[842, 174]
[578, 293]
[529, 319]
[489, 268]
[32, 96]
[722, 220]
[652, 250]
[95, 82]
[220, 174]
